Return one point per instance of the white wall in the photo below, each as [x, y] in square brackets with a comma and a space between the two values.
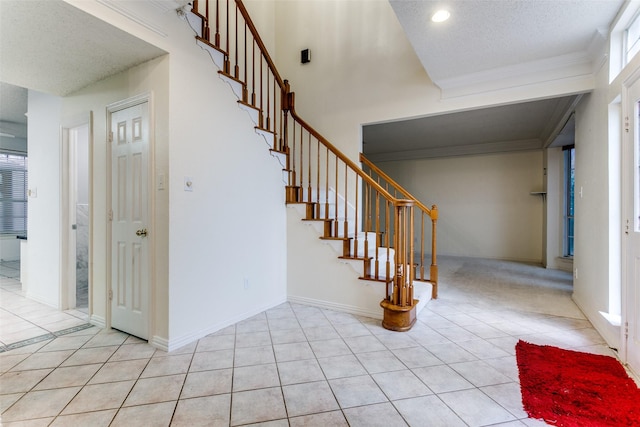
[599, 211]
[592, 216]
[484, 202]
[44, 203]
[363, 70]
[231, 229]
[9, 248]
[151, 77]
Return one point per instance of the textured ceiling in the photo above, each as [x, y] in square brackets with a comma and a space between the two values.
[483, 45]
[504, 36]
[13, 106]
[53, 47]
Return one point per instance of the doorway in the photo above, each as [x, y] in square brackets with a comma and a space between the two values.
[76, 140]
[129, 142]
[631, 227]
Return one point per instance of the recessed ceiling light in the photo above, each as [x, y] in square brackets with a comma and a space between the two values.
[440, 16]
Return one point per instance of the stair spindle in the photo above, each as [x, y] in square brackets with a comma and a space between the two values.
[227, 62]
[217, 36]
[392, 224]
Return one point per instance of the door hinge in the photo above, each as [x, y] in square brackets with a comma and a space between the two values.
[626, 124]
[626, 330]
[110, 215]
[110, 295]
[110, 136]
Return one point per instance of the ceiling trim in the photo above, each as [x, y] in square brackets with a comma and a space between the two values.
[127, 13]
[574, 66]
[562, 122]
[458, 150]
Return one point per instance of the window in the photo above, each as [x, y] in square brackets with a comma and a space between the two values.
[624, 38]
[13, 193]
[569, 181]
[632, 39]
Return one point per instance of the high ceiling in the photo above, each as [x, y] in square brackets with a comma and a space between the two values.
[492, 45]
[490, 41]
[486, 42]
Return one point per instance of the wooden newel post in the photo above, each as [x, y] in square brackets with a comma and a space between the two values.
[399, 307]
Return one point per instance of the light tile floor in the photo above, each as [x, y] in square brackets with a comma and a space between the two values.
[24, 321]
[296, 365]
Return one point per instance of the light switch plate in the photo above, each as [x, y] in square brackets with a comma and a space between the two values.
[188, 183]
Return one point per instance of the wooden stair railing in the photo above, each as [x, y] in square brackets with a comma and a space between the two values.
[373, 225]
[397, 190]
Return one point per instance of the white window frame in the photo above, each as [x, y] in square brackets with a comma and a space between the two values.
[620, 53]
[13, 167]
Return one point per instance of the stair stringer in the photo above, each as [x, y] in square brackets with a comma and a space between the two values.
[316, 276]
[217, 57]
[343, 289]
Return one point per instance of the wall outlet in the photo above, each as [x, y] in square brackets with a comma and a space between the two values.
[575, 273]
[246, 283]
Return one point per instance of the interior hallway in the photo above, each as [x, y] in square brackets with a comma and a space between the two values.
[24, 321]
[297, 365]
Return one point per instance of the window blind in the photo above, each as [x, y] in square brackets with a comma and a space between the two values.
[13, 193]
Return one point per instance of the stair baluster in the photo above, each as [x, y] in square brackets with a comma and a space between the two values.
[358, 208]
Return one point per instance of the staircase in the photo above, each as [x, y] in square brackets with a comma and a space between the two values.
[373, 223]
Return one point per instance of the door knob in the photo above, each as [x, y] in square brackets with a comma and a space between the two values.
[142, 233]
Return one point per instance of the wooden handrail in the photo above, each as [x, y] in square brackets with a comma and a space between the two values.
[386, 213]
[258, 39]
[394, 184]
[284, 86]
[352, 165]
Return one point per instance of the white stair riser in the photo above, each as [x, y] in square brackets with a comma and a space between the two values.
[194, 21]
[236, 86]
[216, 56]
[329, 205]
[253, 113]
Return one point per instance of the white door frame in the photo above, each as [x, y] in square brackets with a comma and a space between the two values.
[628, 210]
[111, 108]
[67, 235]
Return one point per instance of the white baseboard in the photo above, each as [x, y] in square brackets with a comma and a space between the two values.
[176, 343]
[377, 314]
[38, 298]
[609, 332]
[159, 343]
[98, 321]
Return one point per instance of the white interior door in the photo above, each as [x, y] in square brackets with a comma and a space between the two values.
[631, 189]
[129, 205]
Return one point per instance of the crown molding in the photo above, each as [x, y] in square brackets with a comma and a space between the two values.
[119, 7]
[575, 66]
[458, 150]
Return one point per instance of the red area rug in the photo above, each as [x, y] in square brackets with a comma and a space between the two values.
[573, 389]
